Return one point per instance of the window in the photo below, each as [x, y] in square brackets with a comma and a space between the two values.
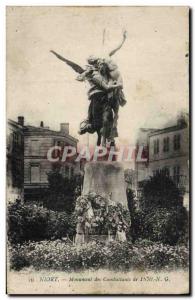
[34, 147]
[35, 174]
[176, 142]
[156, 172]
[166, 171]
[176, 170]
[176, 174]
[156, 146]
[58, 152]
[166, 144]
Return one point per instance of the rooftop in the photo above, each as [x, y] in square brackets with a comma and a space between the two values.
[43, 130]
[47, 131]
[167, 129]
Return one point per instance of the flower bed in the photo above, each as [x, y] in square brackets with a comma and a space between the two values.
[62, 256]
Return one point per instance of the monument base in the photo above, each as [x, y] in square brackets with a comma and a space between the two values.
[106, 179]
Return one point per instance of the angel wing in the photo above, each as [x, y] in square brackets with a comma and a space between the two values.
[73, 65]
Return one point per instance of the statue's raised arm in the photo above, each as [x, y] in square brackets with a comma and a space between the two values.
[120, 45]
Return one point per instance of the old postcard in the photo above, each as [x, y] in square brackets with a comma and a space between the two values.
[98, 150]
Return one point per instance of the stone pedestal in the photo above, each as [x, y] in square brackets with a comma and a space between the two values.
[105, 178]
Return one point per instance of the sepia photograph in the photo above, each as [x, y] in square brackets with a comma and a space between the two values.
[98, 150]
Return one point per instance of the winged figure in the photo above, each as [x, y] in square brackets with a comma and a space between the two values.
[105, 90]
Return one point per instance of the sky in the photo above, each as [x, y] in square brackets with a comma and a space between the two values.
[153, 62]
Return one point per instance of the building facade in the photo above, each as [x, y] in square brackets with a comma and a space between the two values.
[15, 159]
[37, 142]
[27, 162]
[141, 167]
[168, 152]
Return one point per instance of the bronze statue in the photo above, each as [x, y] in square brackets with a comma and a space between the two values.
[105, 95]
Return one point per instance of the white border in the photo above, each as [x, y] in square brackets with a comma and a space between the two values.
[99, 2]
[3, 4]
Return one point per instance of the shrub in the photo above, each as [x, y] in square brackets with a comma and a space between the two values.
[162, 217]
[30, 222]
[60, 255]
[168, 226]
[16, 221]
[18, 258]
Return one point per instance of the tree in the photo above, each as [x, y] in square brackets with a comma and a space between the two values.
[62, 191]
[163, 217]
[161, 191]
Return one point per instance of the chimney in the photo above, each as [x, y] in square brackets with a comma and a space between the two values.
[64, 128]
[41, 124]
[21, 120]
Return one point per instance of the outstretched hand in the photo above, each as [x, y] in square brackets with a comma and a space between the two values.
[56, 54]
[125, 34]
